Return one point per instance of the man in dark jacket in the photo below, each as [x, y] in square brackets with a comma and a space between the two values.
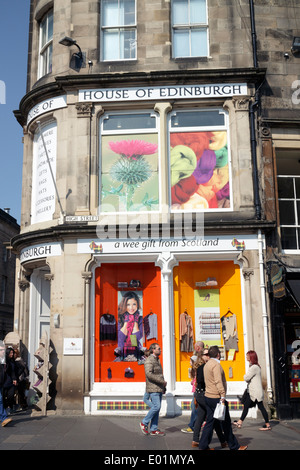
[3, 415]
[155, 387]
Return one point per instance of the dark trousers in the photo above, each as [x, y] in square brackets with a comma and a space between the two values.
[249, 404]
[201, 415]
[207, 432]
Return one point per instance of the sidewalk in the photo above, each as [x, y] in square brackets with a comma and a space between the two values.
[122, 433]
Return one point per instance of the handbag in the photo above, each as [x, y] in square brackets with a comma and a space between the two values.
[246, 397]
[220, 411]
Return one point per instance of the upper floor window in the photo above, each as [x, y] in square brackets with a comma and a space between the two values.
[129, 162]
[199, 161]
[46, 44]
[288, 183]
[118, 30]
[289, 211]
[189, 28]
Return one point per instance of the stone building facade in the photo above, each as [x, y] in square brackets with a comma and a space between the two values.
[148, 175]
[9, 228]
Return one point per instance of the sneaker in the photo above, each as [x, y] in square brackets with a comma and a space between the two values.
[5, 422]
[144, 428]
[188, 430]
[157, 432]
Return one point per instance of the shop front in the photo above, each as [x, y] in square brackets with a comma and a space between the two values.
[175, 293]
[285, 311]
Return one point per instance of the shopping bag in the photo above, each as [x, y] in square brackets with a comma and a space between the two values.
[220, 411]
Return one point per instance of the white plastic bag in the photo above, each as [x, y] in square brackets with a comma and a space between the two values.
[220, 411]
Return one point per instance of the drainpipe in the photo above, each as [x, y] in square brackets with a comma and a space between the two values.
[264, 315]
[253, 105]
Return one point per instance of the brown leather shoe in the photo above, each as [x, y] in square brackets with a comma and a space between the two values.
[195, 444]
[224, 444]
[243, 448]
[5, 422]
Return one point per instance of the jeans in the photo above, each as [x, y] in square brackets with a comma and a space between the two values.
[194, 415]
[147, 400]
[3, 414]
[153, 414]
[207, 433]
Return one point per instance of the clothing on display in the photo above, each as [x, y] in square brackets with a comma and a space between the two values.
[186, 332]
[229, 331]
[129, 343]
[108, 327]
[150, 326]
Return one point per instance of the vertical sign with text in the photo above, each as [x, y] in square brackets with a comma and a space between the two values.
[43, 189]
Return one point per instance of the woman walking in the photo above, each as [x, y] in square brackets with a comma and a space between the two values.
[256, 392]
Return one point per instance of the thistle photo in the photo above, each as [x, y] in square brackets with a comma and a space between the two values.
[131, 171]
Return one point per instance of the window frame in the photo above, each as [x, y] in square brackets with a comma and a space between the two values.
[120, 29]
[46, 49]
[296, 225]
[190, 129]
[189, 27]
[127, 133]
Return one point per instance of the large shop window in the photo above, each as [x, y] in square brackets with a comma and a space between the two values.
[129, 162]
[46, 44]
[118, 30]
[43, 188]
[199, 160]
[127, 319]
[189, 28]
[208, 308]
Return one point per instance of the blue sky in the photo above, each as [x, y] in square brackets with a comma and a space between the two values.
[14, 26]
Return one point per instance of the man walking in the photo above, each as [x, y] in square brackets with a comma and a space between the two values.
[155, 387]
[215, 391]
[3, 415]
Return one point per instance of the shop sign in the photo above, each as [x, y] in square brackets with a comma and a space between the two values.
[73, 346]
[40, 251]
[227, 243]
[51, 104]
[214, 90]
[43, 189]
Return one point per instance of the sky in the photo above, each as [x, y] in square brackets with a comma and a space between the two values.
[14, 27]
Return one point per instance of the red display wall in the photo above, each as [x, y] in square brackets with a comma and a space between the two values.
[108, 291]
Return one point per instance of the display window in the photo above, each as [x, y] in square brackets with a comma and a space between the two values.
[208, 308]
[127, 319]
[292, 338]
[129, 161]
[199, 160]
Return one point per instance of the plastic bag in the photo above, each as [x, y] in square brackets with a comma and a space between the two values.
[220, 411]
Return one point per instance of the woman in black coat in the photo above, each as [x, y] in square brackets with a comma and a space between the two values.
[10, 384]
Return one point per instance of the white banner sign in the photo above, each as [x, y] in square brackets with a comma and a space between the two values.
[43, 189]
[45, 106]
[40, 251]
[164, 92]
[206, 244]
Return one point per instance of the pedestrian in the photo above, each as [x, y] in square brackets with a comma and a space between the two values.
[155, 386]
[3, 414]
[22, 374]
[215, 392]
[10, 384]
[255, 393]
[198, 348]
[200, 403]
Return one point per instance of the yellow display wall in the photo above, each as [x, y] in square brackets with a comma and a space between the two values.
[228, 290]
